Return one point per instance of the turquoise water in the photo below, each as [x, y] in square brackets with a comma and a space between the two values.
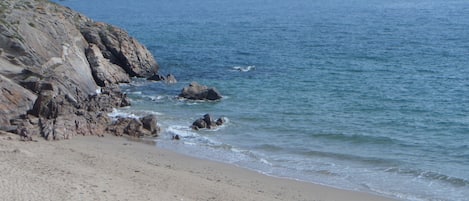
[368, 95]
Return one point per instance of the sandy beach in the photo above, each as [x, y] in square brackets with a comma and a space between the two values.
[113, 168]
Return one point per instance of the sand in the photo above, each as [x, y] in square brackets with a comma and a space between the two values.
[114, 168]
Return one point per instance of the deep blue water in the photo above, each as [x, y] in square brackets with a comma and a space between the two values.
[368, 95]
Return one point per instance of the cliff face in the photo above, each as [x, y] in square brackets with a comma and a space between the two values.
[59, 70]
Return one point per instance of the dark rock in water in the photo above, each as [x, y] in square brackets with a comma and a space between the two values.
[195, 91]
[207, 122]
[60, 77]
[156, 77]
[169, 79]
[220, 121]
[199, 123]
[175, 137]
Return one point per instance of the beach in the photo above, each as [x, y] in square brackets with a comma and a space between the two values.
[116, 168]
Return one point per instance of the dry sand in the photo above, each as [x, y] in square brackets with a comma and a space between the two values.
[112, 168]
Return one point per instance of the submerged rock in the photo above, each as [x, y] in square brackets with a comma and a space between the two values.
[195, 91]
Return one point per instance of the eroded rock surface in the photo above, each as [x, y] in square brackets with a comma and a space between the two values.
[59, 71]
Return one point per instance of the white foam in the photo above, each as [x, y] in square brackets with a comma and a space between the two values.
[119, 113]
[265, 162]
[244, 68]
[135, 92]
[182, 131]
[98, 90]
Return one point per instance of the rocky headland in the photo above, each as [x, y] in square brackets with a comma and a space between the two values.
[60, 70]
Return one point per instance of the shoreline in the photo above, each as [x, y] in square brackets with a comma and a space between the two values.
[116, 168]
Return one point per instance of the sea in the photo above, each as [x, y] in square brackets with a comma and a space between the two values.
[365, 95]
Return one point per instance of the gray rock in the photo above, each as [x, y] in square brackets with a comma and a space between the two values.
[195, 91]
[150, 123]
[133, 127]
[121, 49]
[14, 100]
[104, 72]
[64, 71]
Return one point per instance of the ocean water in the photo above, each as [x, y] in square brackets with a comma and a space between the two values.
[367, 95]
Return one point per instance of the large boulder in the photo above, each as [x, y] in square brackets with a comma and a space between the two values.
[195, 91]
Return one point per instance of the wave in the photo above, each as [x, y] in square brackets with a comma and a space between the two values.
[358, 139]
[115, 114]
[349, 157]
[181, 131]
[243, 68]
[118, 113]
[429, 175]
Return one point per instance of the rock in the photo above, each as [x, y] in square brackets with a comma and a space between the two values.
[198, 124]
[121, 49]
[169, 79]
[220, 121]
[14, 100]
[206, 122]
[150, 123]
[104, 72]
[175, 137]
[135, 127]
[156, 77]
[195, 91]
[60, 77]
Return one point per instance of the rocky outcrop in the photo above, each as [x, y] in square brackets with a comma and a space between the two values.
[207, 122]
[195, 91]
[121, 49]
[59, 71]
